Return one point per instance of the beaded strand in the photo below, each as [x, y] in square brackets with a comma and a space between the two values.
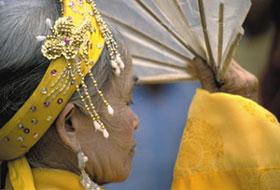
[115, 58]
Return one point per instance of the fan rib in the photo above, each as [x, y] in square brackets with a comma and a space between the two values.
[167, 28]
[133, 29]
[221, 34]
[205, 33]
[229, 56]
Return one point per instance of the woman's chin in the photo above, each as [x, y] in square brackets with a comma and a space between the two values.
[115, 179]
[115, 176]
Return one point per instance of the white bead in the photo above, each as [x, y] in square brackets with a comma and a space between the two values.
[49, 22]
[105, 134]
[97, 125]
[110, 110]
[87, 185]
[118, 57]
[81, 160]
[117, 71]
[85, 158]
[120, 62]
[114, 64]
[41, 38]
[99, 128]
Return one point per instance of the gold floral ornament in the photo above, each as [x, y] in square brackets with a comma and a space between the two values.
[65, 39]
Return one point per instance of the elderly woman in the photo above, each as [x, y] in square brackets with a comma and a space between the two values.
[50, 134]
[73, 131]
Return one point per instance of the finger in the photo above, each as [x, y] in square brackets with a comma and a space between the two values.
[204, 74]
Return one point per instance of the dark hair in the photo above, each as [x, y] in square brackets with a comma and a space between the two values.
[22, 65]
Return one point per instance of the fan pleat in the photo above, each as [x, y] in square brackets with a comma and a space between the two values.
[164, 36]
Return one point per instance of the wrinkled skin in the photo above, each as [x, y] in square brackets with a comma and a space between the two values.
[236, 81]
[110, 159]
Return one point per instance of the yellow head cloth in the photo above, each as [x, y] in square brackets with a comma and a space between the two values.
[38, 113]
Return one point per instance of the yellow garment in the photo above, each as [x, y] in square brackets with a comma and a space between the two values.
[230, 143]
[21, 177]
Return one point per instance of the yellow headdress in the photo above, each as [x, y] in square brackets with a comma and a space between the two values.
[74, 47]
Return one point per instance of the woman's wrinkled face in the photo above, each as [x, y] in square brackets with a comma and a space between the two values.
[110, 159]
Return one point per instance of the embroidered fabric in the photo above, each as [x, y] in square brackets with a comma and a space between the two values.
[203, 147]
[229, 143]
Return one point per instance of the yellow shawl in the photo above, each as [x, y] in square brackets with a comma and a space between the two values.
[230, 143]
[21, 177]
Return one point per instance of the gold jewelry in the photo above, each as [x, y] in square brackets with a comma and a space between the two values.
[74, 47]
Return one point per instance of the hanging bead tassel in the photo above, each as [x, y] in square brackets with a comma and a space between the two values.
[101, 128]
[41, 38]
[105, 133]
[97, 126]
[120, 62]
[110, 110]
[118, 71]
[116, 61]
[114, 64]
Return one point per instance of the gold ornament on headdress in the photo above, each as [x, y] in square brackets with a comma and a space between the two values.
[73, 47]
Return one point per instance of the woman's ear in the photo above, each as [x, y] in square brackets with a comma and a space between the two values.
[65, 129]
